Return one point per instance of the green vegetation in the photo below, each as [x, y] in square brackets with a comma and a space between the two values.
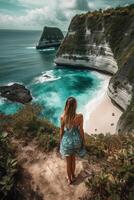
[28, 123]
[51, 33]
[113, 153]
[119, 32]
[14, 181]
[75, 43]
[8, 169]
[115, 179]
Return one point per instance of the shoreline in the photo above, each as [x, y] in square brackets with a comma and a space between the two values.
[101, 114]
[83, 67]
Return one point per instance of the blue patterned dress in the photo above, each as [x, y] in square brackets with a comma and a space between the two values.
[71, 143]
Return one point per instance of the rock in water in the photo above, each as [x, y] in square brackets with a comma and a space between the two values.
[51, 37]
[16, 92]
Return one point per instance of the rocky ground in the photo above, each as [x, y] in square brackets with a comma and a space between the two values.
[45, 173]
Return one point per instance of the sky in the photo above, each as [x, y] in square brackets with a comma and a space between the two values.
[35, 14]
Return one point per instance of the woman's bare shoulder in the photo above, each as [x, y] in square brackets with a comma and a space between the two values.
[61, 117]
[79, 116]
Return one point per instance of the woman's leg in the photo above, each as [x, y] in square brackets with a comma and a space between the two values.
[73, 166]
[69, 168]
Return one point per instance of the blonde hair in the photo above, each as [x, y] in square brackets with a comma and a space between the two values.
[69, 111]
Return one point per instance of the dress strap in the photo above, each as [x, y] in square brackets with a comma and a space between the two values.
[71, 128]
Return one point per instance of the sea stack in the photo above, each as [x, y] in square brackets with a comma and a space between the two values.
[51, 37]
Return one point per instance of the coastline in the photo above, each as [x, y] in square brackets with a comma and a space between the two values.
[101, 114]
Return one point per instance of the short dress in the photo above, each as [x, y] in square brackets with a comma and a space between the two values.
[71, 143]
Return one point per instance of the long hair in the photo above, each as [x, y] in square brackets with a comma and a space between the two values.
[69, 111]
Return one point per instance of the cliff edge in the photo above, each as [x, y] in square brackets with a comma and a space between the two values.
[104, 40]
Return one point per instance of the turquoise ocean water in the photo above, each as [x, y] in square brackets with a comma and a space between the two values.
[21, 62]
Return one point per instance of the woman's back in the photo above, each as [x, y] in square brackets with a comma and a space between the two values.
[75, 123]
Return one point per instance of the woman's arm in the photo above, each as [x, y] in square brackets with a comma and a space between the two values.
[61, 128]
[81, 128]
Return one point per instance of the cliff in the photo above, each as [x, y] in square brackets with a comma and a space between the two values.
[85, 44]
[51, 37]
[104, 40]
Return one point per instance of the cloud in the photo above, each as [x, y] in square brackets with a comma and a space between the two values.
[82, 5]
[37, 18]
[33, 19]
[34, 14]
[53, 13]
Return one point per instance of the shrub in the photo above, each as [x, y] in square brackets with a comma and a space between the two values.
[46, 141]
[27, 123]
[116, 177]
[8, 169]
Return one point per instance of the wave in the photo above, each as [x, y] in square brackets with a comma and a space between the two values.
[100, 75]
[2, 101]
[96, 100]
[46, 77]
[30, 47]
[11, 83]
[49, 49]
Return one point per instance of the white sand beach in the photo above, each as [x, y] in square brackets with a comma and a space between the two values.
[101, 114]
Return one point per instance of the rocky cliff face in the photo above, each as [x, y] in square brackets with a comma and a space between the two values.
[120, 34]
[85, 45]
[104, 40]
[126, 121]
[51, 37]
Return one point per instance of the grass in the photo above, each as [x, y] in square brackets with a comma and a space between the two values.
[8, 169]
[115, 180]
[28, 123]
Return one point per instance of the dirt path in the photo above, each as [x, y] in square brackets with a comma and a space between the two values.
[48, 173]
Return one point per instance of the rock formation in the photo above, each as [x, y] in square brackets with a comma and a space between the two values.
[85, 45]
[120, 33]
[51, 37]
[16, 92]
[104, 40]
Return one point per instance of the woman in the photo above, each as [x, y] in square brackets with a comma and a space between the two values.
[72, 139]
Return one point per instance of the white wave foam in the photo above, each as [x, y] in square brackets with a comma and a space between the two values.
[53, 99]
[103, 77]
[30, 47]
[2, 100]
[49, 49]
[49, 72]
[46, 77]
[98, 96]
[11, 83]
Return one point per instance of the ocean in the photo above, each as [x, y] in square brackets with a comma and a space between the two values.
[50, 85]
